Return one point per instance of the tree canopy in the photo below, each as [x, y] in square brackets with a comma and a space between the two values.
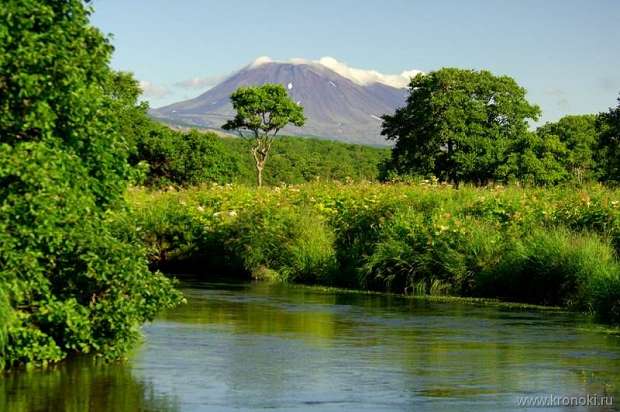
[458, 124]
[578, 134]
[263, 111]
[608, 145]
[70, 281]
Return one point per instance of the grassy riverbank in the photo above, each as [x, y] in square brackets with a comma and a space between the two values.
[542, 246]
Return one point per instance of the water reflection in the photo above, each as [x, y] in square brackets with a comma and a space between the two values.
[82, 384]
[258, 346]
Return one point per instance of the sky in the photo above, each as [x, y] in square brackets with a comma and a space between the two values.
[566, 53]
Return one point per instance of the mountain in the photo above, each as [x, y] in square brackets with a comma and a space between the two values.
[340, 103]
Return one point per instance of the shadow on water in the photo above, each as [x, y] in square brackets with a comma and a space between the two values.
[268, 346]
[81, 384]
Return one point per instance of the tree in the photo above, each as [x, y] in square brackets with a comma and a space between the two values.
[72, 280]
[535, 159]
[263, 111]
[184, 159]
[608, 146]
[579, 135]
[131, 114]
[458, 124]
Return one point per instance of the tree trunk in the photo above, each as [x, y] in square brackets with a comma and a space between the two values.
[260, 152]
[259, 175]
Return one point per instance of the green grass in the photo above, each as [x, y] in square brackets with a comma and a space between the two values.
[555, 246]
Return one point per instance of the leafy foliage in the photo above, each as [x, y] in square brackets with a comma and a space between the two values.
[182, 159]
[578, 135]
[73, 285]
[458, 125]
[555, 246]
[263, 111]
[191, 158]
[609, 144]
[535, 158]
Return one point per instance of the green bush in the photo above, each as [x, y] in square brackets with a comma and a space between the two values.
[543, 246]
[283, 244]
[185, 159]
[191, 158]
[71, 285]
[6, 319]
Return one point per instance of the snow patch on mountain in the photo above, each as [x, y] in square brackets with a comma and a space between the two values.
[360, 76]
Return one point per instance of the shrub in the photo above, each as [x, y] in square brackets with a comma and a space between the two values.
[72, 285]
[283, 244]
[544, 246]
[553, 268]
[191, 158]
[185, 159]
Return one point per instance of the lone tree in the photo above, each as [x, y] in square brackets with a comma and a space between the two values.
[263, 111]
[458, 124]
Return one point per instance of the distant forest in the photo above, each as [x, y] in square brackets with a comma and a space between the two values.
[179, 158]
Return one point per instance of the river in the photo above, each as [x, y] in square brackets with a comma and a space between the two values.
[260, 346]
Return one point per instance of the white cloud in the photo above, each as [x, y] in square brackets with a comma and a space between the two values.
[359, 76]
[362, 76]
[152, 90]
[261, 60]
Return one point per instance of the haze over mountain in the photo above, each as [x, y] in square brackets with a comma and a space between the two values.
[340, 102]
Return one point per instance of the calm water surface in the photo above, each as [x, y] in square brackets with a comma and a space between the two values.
[255, 346]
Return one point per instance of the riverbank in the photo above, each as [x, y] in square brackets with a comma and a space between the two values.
[539, 246]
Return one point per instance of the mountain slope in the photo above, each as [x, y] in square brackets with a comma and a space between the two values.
[337, 107]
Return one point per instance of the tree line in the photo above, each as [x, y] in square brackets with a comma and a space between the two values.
[459, 126]
[467, 126]
[162, 156]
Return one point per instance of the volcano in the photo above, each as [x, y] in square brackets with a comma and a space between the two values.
[340, 103]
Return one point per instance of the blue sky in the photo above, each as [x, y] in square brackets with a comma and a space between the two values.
[566, 53]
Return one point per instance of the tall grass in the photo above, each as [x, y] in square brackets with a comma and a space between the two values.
[554, 246]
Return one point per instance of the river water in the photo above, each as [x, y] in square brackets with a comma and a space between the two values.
[259, 346]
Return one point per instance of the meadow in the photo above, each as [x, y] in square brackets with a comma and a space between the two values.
[549, 246]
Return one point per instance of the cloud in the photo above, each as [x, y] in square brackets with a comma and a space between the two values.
[261, 60]
[359, 76]
[205, 82]
[364, 77]
[152, 90]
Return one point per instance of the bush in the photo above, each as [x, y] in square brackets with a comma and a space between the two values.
[6, 318]
[70, 284]
[283, 244]
[185, 159]
[544, 246]
[192, 158]
[552, 268]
